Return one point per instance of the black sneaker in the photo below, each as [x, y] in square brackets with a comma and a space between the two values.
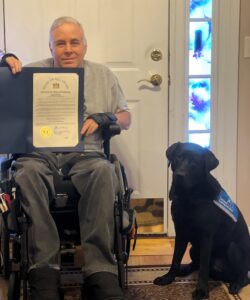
[102, 286]
[44, 284]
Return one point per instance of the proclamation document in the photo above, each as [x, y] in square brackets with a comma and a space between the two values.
[41, 109]
[55, 110]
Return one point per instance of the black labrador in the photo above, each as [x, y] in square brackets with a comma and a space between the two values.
[205, 216]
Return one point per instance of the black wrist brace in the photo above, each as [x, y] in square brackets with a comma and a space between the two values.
[103, 119]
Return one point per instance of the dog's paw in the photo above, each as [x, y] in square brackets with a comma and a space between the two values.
[235, 287]
[164, 280]
[200, 294]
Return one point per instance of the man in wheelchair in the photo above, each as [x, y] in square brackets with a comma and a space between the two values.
[91, 173]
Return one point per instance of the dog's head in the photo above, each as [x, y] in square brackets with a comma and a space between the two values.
[190, 163]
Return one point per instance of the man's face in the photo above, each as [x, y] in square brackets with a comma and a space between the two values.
[67, 45]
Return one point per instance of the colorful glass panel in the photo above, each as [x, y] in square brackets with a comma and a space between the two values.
[200, 44]
[202, 139]
[200, 8]
[199, 104]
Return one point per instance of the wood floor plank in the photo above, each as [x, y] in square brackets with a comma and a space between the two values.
[154, 251]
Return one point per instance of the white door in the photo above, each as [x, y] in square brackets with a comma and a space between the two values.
[123, 35]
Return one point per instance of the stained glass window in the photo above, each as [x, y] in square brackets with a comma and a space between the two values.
[199, 71]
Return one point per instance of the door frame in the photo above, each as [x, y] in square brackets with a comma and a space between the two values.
[225, 87]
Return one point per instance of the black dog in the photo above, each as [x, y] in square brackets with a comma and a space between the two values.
[204, 216]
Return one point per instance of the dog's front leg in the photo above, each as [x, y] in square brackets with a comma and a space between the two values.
[201, 291]
[179, 250]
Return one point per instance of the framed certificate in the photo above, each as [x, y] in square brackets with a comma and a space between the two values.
[41, 109]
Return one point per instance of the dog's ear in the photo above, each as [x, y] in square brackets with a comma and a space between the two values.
[170, 153]
[211, 162]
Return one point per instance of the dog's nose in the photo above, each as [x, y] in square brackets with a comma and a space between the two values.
[180, 173]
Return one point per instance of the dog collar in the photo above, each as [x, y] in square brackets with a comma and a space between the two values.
[225, 203]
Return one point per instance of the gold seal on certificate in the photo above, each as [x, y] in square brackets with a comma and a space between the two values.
[55, 109]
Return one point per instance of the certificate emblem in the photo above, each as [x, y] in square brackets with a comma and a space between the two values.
[45, 132]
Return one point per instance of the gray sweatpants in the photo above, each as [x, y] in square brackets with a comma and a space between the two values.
[95, 179]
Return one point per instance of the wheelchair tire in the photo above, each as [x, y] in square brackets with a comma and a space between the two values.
[5, 252]
[14, 286]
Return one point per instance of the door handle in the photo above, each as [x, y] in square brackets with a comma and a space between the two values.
[155, 80]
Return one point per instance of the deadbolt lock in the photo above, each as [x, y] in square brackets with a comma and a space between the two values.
[156, 55]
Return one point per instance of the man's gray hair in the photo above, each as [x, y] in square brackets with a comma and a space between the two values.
[64, 20]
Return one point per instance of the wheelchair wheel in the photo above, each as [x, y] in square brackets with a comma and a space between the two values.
[5, 251]
[14, 286]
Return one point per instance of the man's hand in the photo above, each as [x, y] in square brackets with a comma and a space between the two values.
[89, 127]
[14, 64]
[11, 61]
[93, 122]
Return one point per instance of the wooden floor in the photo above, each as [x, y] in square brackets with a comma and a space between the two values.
[154, 251]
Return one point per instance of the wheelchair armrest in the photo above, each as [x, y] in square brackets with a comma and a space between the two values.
[110, 131]
[107, 133]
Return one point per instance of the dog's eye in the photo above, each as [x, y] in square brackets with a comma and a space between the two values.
[179, 158]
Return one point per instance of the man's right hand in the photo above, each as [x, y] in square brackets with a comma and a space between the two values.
[14, 64]
[11, 61]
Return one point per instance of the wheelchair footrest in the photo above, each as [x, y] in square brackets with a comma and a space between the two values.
[68, 258]
[72, 278]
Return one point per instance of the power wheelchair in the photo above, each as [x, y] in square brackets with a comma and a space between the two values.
[14, 224]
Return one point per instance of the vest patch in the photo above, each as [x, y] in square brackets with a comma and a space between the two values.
[225, 203]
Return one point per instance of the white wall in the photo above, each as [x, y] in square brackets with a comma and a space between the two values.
[1, 26]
